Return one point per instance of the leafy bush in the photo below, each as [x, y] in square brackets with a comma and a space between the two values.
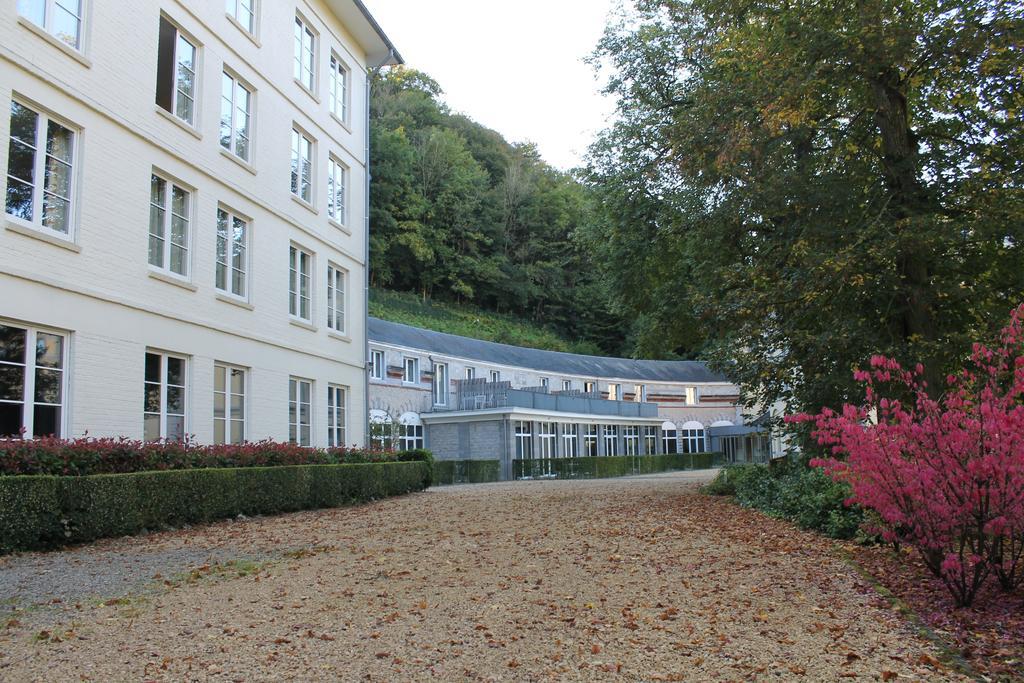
[466, 471]
[38, 512]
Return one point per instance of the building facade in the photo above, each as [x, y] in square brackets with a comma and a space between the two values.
[183, 247]
[469, 399]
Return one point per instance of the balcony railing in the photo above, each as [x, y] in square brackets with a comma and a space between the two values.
[483, 395]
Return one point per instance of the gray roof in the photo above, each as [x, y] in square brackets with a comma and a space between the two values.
[555, 362]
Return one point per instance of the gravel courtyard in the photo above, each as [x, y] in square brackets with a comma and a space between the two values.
[629, 579]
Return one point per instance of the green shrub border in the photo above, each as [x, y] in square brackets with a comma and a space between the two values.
[466, 471]
[604, 467]
[41, 512]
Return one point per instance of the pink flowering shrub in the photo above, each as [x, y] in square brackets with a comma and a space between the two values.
[80, 457]
[945, 475]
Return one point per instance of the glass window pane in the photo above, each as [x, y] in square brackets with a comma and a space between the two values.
[237, 407]
[12, 382]
[237, 431]
[238, 381]
[10, 419]
[56, 213]
[176, 371]
[152, 367]
[65, 24]
[175, 427]
[304, 391]
[33, 9]
[46, 421]
[151, 427]
[151, 398]
[48, 385]
[59, 141]
[12, 344]
[19, 199]
[21, 159]
[219, 406]
[218, 431]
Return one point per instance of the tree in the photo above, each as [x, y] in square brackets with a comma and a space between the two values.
[791, 187]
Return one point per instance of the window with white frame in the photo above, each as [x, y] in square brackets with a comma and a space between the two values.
[693, 439]
[410, 432]
[336, 287]
[545, 382]
[650, 440]
[337, 187]
[590, 434]
[235, 116]
[302, 166]
[32, 381]
[339, 88]
[470, 373]
[337, 416]
[300, 411]
[228, 404]
[691, 396]
[305, 55]
[40, 165]
[524, 440]
[566, 385]
[377, 364]
[244, 12]
[440, 384]
[169, 220]
[611, 440]
[570, 440]
[382, 431]
[613, 392]
[640, 393]
[232, 253]
[547, 438]
[176, 67]
[669, 441]
[495, 375]
[589, 387]
[631, 439]
[165, 405]
[300, 266]
[412, 371]
[60, 18]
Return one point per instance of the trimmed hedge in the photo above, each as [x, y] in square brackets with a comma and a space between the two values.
[603, 467]
[466, 471]
[39, 512]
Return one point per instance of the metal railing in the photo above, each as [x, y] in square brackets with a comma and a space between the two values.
[480, 394]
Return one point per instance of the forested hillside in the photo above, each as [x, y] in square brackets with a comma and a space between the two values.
[460, 215]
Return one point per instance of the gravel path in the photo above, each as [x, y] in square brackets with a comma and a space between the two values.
[631, 579]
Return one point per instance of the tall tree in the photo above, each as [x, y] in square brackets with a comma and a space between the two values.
[793, 186]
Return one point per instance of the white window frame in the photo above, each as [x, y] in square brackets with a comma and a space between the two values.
[566, 385]
[441, 384]
[339, 68]
[226, 370]
[337, 293]
[237, 84]
[631, 440]
[691, 396]
[49, 11]
[570, 440]
[545, 382]
[377, 364]
[234, 7]
[413, 376]
[303, 35]
[30, 368]
[224, 271]
[524, 440]
[337, 416]
[164, 387]
[410, 437]
[302, 190]
[610, 434]
[39, 159]
[470, 373]
[588, 387]
[640, 393]
[547, 438]
[495, 375]
[168, 215]
[614, 391]
[591, 439]
[197, 85]
[296, 275]
[693, 440]
[650, 435]
[295, 427]
[337, 174]
[669, 441]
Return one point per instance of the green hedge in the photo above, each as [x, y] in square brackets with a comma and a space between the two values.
[38, 512]
[466, 471]
[603, 467]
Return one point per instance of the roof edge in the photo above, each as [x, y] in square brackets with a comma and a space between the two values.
[394, 57]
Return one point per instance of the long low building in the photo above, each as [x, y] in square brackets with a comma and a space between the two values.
[467, 399]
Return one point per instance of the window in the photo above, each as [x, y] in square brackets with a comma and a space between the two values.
[470, 373]
[169, 218]
[337, 419]
[613, 392]
[232, 260]
[495, 375]
[650, 440]
[412, 371]
[299, 296]
[631, 439]
[410, 433]
[60, 18]
[337, 177]
[339, 89]
[235, 116]
[302, 166]
[640, 393]
[32, 381]
[300, 411]
[570, 441]
[669, 443]
[244, 12]
[40, 164]
[305, 55]
[377, 364]
[228, 404]
[588, 387]
[546, 436]
[440, 384]
[693, 439]
[176, 80]
[611, 440]
[590, 441]
[545, 382]
[382, 431]
[566, 385]
[691, 396]
[165, 407]
[524, 441]
[336, 299]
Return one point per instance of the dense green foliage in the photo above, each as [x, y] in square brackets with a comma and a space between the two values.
[793, 187]
[792, 491]
[604, 467]
[39, 512]
[458, 214]
[467, 320]
[466, 471]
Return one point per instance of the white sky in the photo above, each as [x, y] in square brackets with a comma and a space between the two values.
[515, 67]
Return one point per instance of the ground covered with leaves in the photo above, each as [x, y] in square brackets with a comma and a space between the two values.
[631, 579]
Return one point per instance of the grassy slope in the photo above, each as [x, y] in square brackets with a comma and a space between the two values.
[467, 321]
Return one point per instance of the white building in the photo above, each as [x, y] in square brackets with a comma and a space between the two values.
[183, 245]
